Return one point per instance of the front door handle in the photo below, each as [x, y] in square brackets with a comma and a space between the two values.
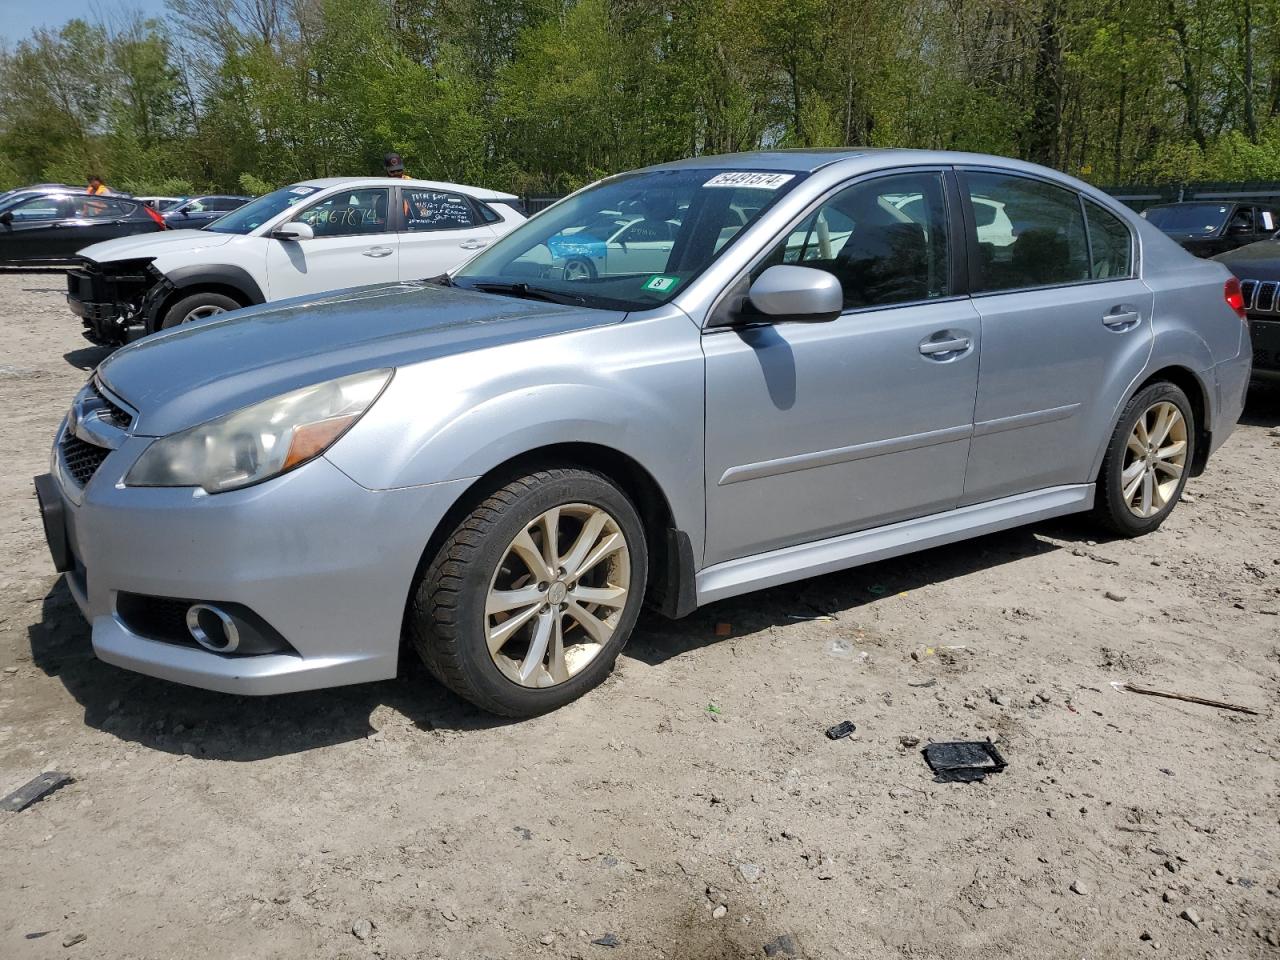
[938, 349]
[378, 252]
[1122, 318]
[473, 244]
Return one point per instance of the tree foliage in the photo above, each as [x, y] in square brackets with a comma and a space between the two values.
[545, 95]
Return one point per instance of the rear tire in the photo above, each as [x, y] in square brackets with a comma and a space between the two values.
[197, 307]
[554, 626]
[1148, 461]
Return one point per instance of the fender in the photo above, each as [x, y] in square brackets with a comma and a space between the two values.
[478, 410]
[1172, 347]
[223, 274]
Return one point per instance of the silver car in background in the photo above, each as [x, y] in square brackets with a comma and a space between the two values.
[831, 358]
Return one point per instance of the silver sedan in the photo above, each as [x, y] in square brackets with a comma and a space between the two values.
[795, 363]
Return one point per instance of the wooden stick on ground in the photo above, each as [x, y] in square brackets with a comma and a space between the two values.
[1221, 705]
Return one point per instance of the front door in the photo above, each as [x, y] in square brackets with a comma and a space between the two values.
[352, 246]
[442, 229]
[1066, 327]
[819, 429]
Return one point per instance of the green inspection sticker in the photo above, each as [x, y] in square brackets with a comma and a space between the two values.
[660, 284]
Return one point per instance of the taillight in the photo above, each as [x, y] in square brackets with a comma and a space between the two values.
[164, 226]
[1234, 296]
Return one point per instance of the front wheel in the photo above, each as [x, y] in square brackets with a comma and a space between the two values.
[197, 307]
[528, 603]
[1147, 461]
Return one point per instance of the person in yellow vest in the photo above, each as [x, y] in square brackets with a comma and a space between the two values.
[96, 188]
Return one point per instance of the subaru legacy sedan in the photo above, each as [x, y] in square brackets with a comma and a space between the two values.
[834, 361]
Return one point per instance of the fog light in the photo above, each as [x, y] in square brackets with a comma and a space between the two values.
[212, 629]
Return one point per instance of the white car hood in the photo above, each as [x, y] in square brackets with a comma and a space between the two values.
[154, 244]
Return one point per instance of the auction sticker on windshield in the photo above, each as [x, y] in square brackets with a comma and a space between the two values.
[660, 284]
[747, 178]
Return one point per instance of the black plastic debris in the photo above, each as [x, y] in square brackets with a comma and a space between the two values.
[840, 730]
[964, 761]
[608, 940]
[783, 946]
[37, 789]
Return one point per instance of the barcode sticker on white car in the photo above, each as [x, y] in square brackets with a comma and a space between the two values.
[746, 178]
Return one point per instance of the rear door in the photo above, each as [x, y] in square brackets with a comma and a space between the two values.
[1066, 327]
[439, 230]
[353, 246]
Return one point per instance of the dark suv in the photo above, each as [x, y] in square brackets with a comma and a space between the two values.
[1207, 228]
[1258, 267]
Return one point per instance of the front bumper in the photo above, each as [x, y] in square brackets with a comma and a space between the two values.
[327, 563]
[1265, 335]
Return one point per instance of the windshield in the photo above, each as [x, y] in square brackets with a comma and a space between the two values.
[1197, 218]
[631, 242]
[255, 213]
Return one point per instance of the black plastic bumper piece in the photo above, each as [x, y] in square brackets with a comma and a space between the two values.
[53, 514]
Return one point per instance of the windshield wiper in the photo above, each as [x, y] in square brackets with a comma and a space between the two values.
[527, 292]
[442, 279]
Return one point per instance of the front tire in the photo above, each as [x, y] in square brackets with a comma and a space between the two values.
[197, 307]
[528, 603]
[1148, 461]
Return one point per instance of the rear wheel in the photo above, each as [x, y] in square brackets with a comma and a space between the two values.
[528, 603]
[197, 307]
[1147, 461]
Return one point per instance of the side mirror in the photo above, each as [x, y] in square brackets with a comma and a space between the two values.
[6, 218]
[797, 293]
[1239, 229]
[294, 230]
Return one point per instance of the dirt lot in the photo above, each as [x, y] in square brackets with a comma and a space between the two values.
[393, 820]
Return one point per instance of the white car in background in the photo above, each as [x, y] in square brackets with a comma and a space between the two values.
[306, 238]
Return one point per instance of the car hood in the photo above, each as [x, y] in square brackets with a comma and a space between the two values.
[186, 376]
[154, 244]
[1256, 261]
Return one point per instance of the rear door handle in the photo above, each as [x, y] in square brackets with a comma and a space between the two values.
[378, 252]
[933, 348]
[473, 244]
[1122, 318]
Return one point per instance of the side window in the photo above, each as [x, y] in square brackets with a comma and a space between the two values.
[885, 241]
[1241, 221]
[645, 231]
[348, 214]
[437, 210]
[44, 208]
[102, 208]
[1110, 242]
[1030, 234]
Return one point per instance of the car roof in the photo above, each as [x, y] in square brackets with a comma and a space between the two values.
[1197, 203]
[480, 193]
[809, 160]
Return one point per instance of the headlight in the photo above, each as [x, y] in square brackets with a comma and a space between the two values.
[261, 441]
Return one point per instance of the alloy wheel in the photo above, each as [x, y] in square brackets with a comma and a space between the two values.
[1154, 460]
[199, 313]
[577, 270]
[557, 595]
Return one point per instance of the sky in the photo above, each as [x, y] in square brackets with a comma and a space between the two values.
[19, 17]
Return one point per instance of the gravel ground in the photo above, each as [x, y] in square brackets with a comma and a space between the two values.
[691, 807]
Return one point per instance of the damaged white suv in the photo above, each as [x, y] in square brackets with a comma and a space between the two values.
[307, 238]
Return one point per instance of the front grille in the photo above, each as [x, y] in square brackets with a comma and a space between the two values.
[81, 459]
[1260, 296]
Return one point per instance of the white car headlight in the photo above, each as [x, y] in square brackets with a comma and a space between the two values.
[261, 441]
